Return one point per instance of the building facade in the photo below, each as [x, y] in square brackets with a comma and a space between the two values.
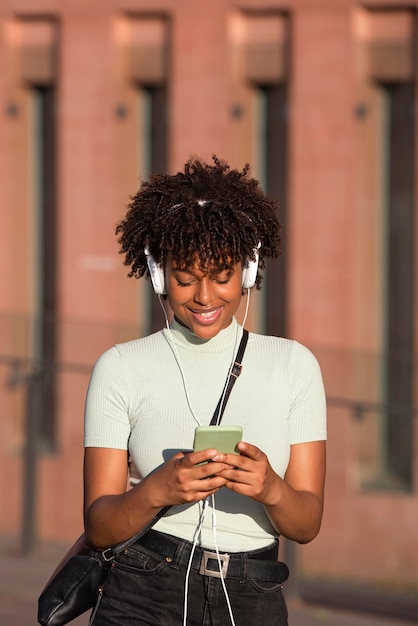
[319, 96]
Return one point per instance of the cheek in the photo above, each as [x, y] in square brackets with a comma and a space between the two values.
[235, 291]
[177, 296]
[233, 298]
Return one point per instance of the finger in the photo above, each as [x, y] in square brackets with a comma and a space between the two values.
[243, 490]
[195, 458]
[237, 476]
[243, 462]
[205, 488]
[211, 483]
[209, 470]
[250, 451]
[177, 456]
[195, 488]
[236, 460]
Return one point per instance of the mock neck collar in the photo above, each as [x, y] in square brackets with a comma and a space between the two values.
[184, 337]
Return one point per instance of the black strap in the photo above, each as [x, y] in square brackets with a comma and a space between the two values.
[230, 381]
[234, 372]
[110, 553]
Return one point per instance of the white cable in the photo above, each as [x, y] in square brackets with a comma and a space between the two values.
[246, 307]
[206, 501]
[189, 565]
[177, 357]
[228, 602]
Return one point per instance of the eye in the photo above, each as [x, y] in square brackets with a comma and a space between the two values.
[184, 279]
[222, 278]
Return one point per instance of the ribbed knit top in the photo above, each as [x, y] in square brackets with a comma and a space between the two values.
[149, 394]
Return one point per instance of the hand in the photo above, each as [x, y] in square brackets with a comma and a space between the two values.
[183, 480]
[251, 474]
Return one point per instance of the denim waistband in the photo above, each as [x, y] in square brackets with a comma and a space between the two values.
[261, 564]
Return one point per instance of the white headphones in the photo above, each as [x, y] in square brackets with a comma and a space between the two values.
[249, 272]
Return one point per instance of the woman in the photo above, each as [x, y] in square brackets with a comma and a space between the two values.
[201, 233]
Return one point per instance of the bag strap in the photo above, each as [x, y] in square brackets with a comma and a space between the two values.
[230, 381]
[110, 553]
[233, 374]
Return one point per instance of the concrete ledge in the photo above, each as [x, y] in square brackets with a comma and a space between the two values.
[365, 598]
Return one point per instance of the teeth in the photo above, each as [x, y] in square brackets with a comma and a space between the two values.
[208, 314]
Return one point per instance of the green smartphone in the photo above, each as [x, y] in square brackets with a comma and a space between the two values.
[223, 438]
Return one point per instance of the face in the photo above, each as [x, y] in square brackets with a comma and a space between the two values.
[204, 300]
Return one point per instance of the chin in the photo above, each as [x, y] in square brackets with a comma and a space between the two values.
[208, 332]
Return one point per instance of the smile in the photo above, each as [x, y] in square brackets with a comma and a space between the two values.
[206, 317]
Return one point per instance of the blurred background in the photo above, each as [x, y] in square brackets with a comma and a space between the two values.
[320, 97]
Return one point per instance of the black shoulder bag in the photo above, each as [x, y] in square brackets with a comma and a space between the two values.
[74, 586]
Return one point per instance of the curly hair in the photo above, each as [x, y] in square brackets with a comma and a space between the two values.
[210, 213]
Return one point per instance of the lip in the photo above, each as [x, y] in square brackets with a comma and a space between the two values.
[206, 317]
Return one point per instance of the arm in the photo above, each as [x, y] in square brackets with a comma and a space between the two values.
[112, 513]
[298, 501]
[295, 504]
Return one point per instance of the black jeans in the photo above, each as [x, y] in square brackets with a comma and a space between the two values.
[145, 587]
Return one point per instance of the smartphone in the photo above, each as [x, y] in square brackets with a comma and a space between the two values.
[223, 438]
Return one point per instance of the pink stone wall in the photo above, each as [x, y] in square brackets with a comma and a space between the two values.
[333, 298]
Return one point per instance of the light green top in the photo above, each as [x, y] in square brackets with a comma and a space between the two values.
[148, 395]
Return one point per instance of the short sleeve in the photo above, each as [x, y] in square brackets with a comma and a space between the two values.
[307, 419]
[106, 415]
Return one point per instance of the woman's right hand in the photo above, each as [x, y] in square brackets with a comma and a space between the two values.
[186, 478]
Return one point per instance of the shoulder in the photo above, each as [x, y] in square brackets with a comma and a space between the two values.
[288, 348]
[269, 341]
[303, 358]
[141, 344]
[289, 353]
[133, 347]
[121, 355]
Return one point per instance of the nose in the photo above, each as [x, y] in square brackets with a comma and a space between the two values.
[204, 291]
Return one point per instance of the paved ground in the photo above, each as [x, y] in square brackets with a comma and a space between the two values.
[22, 578]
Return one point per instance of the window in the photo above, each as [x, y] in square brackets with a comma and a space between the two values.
[400, 280]
[44, 184]
[272, 158]
[154, 138]
[153, 148]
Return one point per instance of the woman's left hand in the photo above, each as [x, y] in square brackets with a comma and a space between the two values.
[251, 474]
[294, 503]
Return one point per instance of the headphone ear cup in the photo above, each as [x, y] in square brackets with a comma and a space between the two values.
[156, 273]
[249, 271]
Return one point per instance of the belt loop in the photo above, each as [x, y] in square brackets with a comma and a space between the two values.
[244, 568]
[177, 555]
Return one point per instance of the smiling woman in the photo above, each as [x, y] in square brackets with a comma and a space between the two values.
[202, 237]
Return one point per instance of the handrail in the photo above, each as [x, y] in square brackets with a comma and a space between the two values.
[360, 407]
